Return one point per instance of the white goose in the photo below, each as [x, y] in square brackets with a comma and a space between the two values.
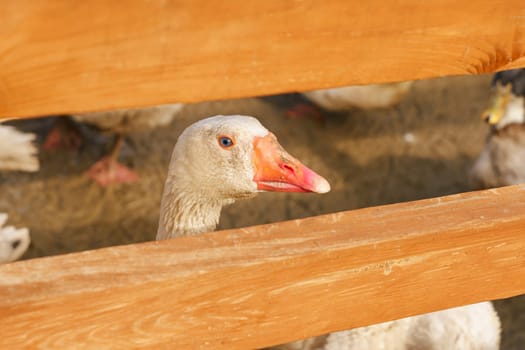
[471, 327]
[502, 161]
[236, 152]
[373, 96]
[108, 170]
[17, 152]
[13, 242]
[360, 96]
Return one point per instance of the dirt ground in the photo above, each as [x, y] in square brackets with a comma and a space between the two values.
[419, 149]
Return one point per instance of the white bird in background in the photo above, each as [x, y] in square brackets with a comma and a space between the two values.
[13, 242]
[120, 122]
[108, 170]
[362, 96]
[17, 153]
[502, 161]
[471, 327]
[373, 96]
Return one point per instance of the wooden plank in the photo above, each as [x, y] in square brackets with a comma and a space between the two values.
[71, 56]
[269, 284]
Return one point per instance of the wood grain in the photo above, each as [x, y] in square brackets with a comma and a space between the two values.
[270, 284]
[67, 56]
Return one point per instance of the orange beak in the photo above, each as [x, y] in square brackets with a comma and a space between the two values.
[276, 170]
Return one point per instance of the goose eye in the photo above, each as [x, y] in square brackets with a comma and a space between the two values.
[225, 141]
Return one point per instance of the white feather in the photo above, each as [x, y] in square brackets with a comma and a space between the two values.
[17, 151]
[13, 242]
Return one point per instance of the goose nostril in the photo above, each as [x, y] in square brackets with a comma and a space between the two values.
[16, 243]
[288, 168]
[486, 118]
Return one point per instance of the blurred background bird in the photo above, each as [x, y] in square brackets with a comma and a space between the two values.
[502, 161]
[13, 242]
[373, 96]
[119, 123]
[17, 153]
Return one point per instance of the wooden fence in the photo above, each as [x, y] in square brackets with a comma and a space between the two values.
[264, 285]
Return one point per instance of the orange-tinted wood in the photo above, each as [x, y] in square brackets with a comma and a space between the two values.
[71, 56]
[270, 284]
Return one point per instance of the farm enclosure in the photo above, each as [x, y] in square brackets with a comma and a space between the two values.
[506, 55]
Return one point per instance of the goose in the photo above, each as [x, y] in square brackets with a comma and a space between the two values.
[218, 160]
[108, 170]
[502, 161]
[372, 96]
[245, 158]
[470, 327]
[17, 153]
[13, 242]
[362, 96]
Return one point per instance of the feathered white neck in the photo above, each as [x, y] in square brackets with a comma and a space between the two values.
[185, 212]
[203, 177]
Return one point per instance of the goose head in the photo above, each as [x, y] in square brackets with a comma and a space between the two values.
[505, 107]
[235, 156]
[220, 159]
